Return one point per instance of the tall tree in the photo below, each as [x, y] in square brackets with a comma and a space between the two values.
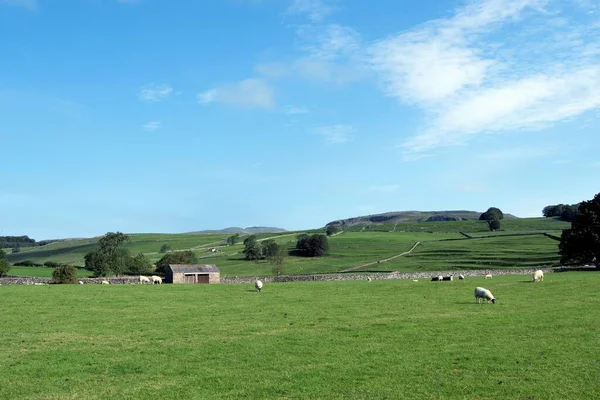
[581, 243]
[231, 240]
[111, 258]
[140, 265]
[277, 259]
[492, 213]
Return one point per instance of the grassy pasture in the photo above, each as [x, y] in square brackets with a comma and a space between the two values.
[43, 272]
[315, 340]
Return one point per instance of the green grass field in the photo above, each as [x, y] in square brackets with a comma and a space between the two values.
[444, 246]
[393, 339]
[43, 272]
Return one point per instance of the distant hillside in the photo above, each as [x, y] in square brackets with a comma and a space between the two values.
[413, 216]
[250, 230]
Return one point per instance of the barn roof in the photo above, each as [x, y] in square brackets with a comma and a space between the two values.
[189, 268]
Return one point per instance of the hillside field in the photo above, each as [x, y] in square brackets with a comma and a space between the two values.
[443, 246]
[313, 340]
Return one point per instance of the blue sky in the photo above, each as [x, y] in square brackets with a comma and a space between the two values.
[161, 116]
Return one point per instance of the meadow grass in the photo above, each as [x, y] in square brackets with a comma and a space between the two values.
[42, 272]
[393, 339]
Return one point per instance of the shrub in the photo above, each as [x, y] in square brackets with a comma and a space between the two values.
[64, 274]
[51, 264]
[178, 257]
[4, 267]
[28, 263]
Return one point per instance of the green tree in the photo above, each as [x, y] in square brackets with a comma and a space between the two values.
[332, 230]
[277, 259]
[111, 257]
[176, 257]
[64, 274]
[140, 265]
[164, 248]
[491, 213]
[231, 240]
[581, 243]
[269, 248]
[253, 250]
[315, 245]
[4, 264]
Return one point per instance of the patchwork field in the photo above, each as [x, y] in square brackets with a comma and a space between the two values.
[457, 245]
[316, 340]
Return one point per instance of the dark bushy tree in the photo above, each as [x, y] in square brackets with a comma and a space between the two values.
[494, 224]
[312, 246]
[564, 212]
[64, 274]
[164, 248]
[253, 249]
[581, 243]
[492, 213]
[177, 257]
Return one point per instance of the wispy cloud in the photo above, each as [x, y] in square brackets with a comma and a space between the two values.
[495, 65]
[315, 10]
[155, 92]
[295, 110]
[152, 126]
[336, 134]
[31, 5]
[249, 93]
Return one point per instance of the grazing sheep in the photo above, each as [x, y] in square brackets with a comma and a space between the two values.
[435, 278]
[80, 282]
[415, 280]
[448, 278]
[144, 279]
[105, 283]
[483, 293]
[488, 276]
[156, 280]
[461, 277]
[538, 275]
[258, 285]
[369, 278]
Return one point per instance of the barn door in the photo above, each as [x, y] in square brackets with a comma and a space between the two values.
[203, 278]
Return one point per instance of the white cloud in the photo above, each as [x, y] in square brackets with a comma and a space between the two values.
[336, 134]
[155, 92]
[31, 5]
[315, 10]
[495, 65]
[249, 93]
[152, 126]
[295, 110]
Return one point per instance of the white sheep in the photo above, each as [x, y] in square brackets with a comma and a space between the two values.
[461, 277]
[538, 275]
[105, 283]
[369, 278]
[488, 276]
[80, 282]
[415, 280]
[440, 278]
[144, 279]
[483, 293]
[258, 285]
[156, 279]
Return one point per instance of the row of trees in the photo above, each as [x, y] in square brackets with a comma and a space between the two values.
[565, 212]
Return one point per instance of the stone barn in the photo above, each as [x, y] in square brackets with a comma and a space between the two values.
[192, 273]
